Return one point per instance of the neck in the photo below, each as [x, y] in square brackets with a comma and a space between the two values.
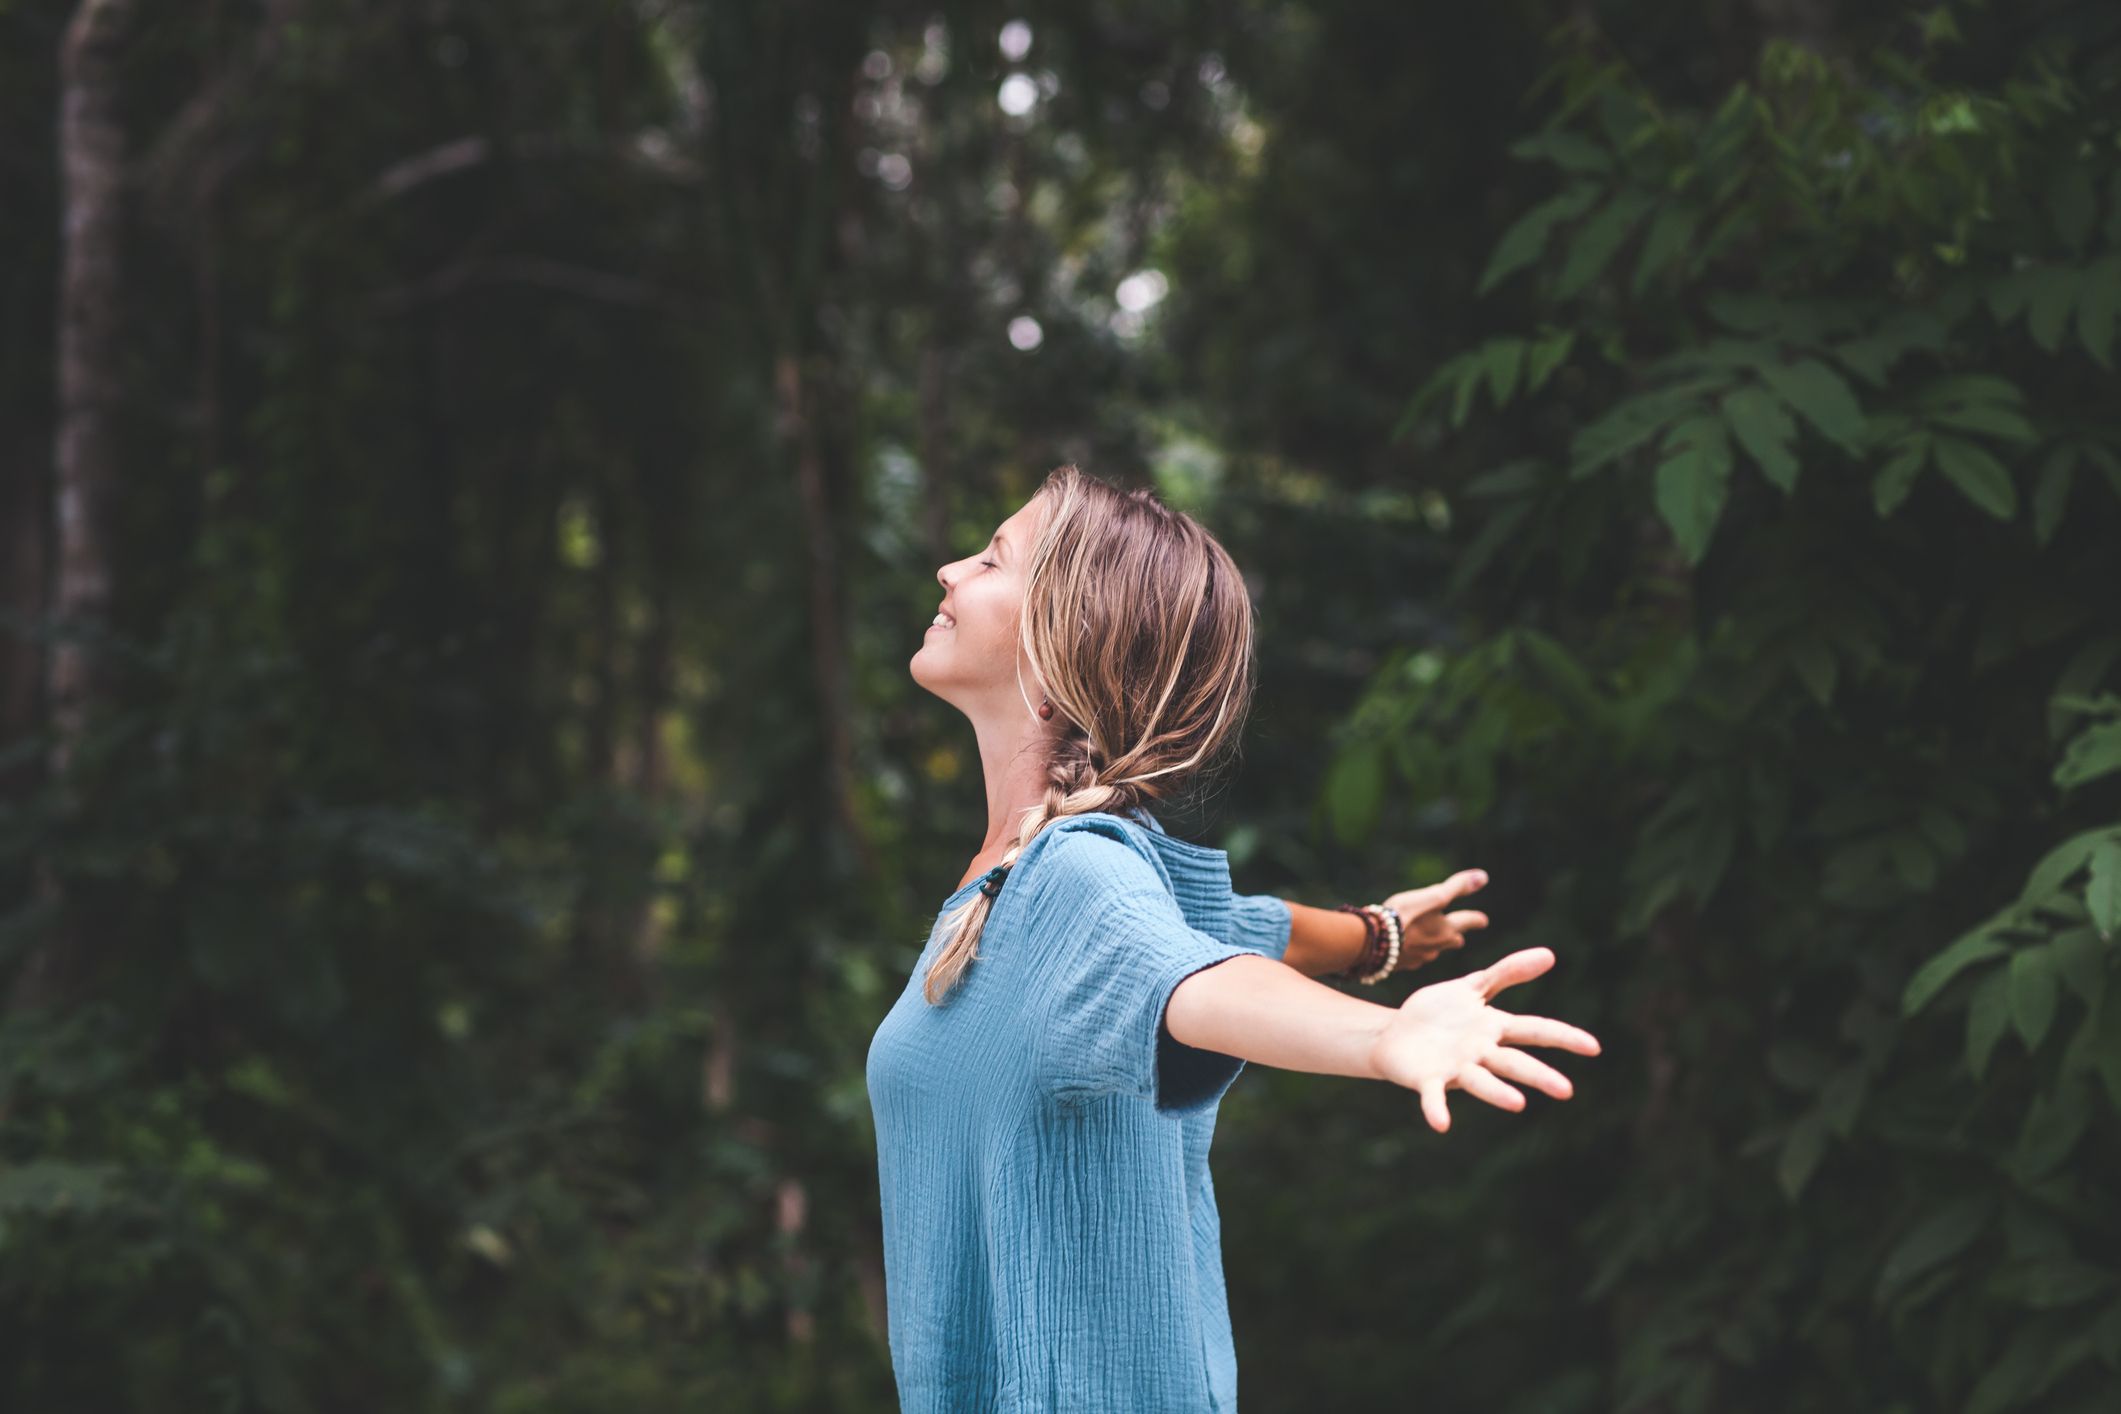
[1013, 759]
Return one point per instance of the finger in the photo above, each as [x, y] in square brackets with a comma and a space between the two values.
[1465, 881]
[1432, 1105]
[1529, 1070]
[1478, 1083]
[1434, 896]
[1520, 966]
[1546, 1031]
[1466, 918]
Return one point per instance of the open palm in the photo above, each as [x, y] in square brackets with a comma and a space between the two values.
[1447, 1035]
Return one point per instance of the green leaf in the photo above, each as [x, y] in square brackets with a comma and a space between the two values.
[1842, 1099]
[2051, 1283]
[1897, 477]
[1693, 481]
[1630, 424]
[1449, 374]
[2080, 961]
[1987, 1014]
[1980, 476]
[1497, 534]
[1801, 1153]
[2096, 306]
[2052, 294]
[1814, 662]
[1598, 242]
[1467, 388]
[2058, 864]
[1765, 429]
[2014, 1381]
[1504, 360]
[1873, 355]
[2102, 893]
[1527, 237]
[1942, 1234]
[2033, 993]
[1995, 421]
[2107, 462]
[1822, 397]
[1570, 151]
[1978, 945]
[2086, 668]
[1547, 355]
[2051, 493]
[1972, 388]
[2092, 753]
[2053, 1125]
[1669, 234]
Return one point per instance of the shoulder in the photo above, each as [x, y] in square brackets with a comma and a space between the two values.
[1092, 856]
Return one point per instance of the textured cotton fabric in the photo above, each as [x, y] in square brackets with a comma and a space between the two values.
[1051, 1240]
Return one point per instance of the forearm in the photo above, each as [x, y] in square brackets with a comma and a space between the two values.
[1323, 940]
[1265, 1011]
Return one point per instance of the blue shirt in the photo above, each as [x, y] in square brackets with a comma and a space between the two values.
[1051, 1241]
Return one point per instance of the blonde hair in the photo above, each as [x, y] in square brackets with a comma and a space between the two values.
[1138, 623]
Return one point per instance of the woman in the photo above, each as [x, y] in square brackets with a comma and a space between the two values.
[1045, 1088]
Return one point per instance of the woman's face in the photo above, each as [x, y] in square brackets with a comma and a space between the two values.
[968, 655]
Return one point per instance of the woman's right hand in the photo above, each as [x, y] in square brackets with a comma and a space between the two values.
[1446, 1035]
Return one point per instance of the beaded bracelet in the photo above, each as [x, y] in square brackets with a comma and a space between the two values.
[1370, 968]
[1373, 940]
[1390, 918]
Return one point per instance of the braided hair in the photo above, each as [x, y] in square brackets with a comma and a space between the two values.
[1140, 627]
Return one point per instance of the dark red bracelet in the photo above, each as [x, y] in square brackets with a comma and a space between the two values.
[1373, 947]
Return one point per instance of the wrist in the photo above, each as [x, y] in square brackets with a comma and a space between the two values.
[1379, 1026]
[1379, 957]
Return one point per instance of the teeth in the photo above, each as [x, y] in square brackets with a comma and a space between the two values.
[945, 620]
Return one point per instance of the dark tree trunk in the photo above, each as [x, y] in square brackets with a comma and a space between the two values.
[91, 164]
[85, 458]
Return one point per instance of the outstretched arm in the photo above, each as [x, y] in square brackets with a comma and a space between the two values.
[1441, 1037]
[1325, 941]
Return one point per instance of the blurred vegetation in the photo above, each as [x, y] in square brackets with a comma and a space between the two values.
[1677, 458]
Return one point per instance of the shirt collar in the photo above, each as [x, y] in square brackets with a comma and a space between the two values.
[1199, 874]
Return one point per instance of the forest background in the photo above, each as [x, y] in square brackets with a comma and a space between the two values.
[471, 478]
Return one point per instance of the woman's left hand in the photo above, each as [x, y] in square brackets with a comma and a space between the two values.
[1429, 927]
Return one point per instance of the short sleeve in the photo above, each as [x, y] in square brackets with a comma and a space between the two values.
[1260, 922]
[1103, 1026]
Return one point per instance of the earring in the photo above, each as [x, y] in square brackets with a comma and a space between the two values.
[1045, 709]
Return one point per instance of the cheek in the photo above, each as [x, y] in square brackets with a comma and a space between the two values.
[993, 619]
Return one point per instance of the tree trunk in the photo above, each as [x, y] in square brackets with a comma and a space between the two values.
[827, 630]
[91, 164]
[92, 159]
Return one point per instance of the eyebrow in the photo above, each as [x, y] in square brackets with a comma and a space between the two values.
[1001, 539]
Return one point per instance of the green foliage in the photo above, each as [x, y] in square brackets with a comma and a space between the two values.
[1846, 333]
[513, 814]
